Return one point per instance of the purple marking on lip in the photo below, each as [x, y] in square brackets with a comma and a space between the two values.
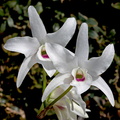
[80, 79]
[45, 56]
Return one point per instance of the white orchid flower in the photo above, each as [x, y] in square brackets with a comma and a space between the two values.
[34, 47]
[76, 70]
[66, 109]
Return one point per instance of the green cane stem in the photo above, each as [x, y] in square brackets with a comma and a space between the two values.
[44, 80]
[44, 112]
[43, 88]
[59, 97]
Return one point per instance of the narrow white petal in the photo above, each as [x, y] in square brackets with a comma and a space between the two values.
[63, 60]
[79, 111]
[57, 81]
[49, 68]
[72, 115]
[82, 47]
[64, 34]
[25, 45]
[25, 67]
[75, 97]
[36, 24]
[97, 65]
[102, 85]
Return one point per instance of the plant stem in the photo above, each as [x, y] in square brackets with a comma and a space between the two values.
[44, 112]
[62, 95]
[44, 80]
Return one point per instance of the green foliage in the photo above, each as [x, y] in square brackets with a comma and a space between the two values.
[116, 5]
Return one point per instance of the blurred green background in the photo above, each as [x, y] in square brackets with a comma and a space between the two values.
[103, 19]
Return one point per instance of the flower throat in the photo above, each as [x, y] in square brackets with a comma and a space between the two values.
[43, 52]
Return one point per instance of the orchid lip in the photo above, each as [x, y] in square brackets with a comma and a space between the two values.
[45, 56]
[79, 74]
[80, 79]
[43, 52]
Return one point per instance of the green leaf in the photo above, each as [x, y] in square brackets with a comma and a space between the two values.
[3, 27]
[59, 15]
[92, 22]
[82, 17]
[63, 19]
[10, 22]
[20, 17]
[7, 12]
[11, 4]
[18, 8]
[113, 32]
[116, 5]
[93, 34]
[102, 1]
[39, 7]
[1, 12]
[98, 29]
[56, 26]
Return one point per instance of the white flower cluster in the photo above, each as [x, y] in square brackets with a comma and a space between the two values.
[75, 69]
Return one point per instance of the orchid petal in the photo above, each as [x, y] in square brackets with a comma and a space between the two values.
[81, 87]
[62, 109]
[75, 97]
[46, 63]
[97, 65]
[71, 114]
[25, 67]
[82, 47]
[26, 45]
[102, 85]
[36, 24]
[57, 92]
[49, 68]
[79, 111]
[57, 81]
[63, 60]
[78, 99]
[64, 34]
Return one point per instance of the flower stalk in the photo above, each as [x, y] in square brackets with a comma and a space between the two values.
[44, 80]
[44, 112]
